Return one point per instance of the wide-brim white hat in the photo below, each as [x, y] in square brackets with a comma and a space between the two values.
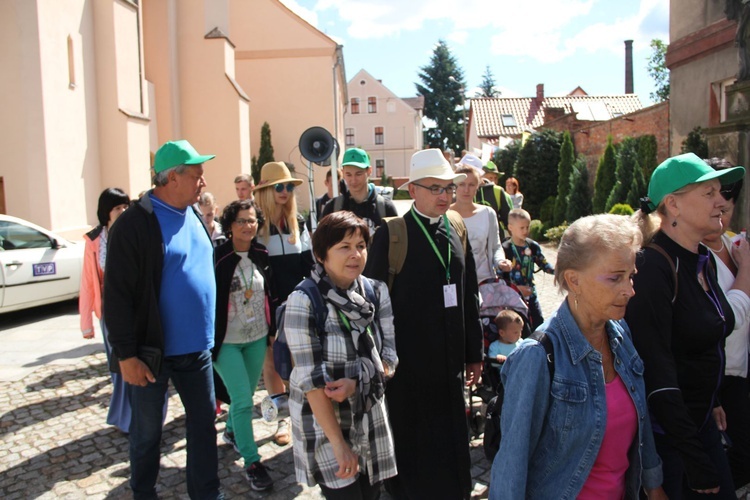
[431, 163]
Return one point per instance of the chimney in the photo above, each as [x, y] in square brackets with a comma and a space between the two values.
[539, 93]
[628, 66]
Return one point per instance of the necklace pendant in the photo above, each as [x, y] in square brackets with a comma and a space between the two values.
[248, 294]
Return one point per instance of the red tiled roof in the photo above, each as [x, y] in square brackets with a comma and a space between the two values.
[487, 112]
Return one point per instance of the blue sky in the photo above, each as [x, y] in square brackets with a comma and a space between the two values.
[560, 43]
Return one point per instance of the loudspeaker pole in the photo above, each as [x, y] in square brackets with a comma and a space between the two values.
[335, 170]
[313, 212]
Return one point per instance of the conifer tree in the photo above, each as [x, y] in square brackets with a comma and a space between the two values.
[564, 170]
[536, 169]
[505, 159]
[605, 177]
[579, 199]
[638, 188]
[443, 99]
[626, 159]
[487, 87]
[265, 152]
[647, 149]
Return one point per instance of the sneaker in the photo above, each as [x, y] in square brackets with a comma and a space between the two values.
[228, 438]
[258, 477]
[282, 436]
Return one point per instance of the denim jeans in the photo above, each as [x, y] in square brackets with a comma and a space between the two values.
[192, 376]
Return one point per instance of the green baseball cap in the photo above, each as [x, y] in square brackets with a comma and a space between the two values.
[356, 158]
[175, 153]
[679, 171]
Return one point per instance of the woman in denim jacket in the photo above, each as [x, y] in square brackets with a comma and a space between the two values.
[582, 431]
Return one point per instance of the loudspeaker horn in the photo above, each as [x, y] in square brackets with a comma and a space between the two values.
[317, 144]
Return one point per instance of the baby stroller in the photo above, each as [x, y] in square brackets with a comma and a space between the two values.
[495, 296]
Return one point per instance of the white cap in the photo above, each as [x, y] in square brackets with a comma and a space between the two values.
[470, 160]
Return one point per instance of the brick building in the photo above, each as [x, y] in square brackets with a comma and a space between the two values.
[590, 138]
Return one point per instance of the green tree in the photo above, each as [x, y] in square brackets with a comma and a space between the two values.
[605, 177]
[647, 149]
[265, 152]
[487, 87]
[638, 189]
[536, 169]
[696, 142]
[626, 159]
[657, 69]
[443, 99]
[579, 199]
[564, 169]
[505, 159]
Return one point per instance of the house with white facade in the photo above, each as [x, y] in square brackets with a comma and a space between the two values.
[388, 127]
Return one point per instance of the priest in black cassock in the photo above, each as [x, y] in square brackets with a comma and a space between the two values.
[438, 338]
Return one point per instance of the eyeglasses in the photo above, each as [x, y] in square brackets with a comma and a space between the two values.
[280, 187]
[436, 190]
[242, 222]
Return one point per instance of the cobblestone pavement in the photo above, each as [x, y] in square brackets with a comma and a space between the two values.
[54, 442]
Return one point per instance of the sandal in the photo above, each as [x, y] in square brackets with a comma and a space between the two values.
[282, 436]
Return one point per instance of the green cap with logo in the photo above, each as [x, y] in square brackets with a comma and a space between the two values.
[356, 157]
[175, 153]
[679, 171]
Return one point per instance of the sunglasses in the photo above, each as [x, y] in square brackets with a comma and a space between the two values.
[280, 187]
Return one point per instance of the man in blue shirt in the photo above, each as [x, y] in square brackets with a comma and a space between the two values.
[161, 292]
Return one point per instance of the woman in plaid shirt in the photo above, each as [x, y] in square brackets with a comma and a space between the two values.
[342, 438]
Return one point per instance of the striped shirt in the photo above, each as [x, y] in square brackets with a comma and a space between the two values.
[316, 362]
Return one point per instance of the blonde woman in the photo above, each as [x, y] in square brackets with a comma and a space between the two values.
[290, 255]
[481, 223]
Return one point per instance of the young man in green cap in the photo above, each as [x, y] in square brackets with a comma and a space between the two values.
[160, 307]
[361, 197]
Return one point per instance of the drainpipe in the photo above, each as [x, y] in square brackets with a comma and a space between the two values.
[334, 156]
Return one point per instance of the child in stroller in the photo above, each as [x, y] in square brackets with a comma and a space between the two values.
[495, 296]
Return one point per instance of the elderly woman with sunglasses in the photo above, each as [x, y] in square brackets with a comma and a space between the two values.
[290, 252]
[244, 316]
[735, 389]
[680, 318]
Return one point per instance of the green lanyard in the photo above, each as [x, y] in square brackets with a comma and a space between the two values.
[432, 243]
[348, 326]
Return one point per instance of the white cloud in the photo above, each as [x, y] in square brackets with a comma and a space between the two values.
[553, 42]
[458, 37]
[547, 30]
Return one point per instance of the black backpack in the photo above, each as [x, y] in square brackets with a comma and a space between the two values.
[282, 358]
[492, 433]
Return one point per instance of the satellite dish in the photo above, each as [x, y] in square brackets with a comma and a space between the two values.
[317, 145]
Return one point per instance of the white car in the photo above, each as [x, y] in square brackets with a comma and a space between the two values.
[37, 266]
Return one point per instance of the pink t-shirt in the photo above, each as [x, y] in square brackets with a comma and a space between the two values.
[607, 478]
